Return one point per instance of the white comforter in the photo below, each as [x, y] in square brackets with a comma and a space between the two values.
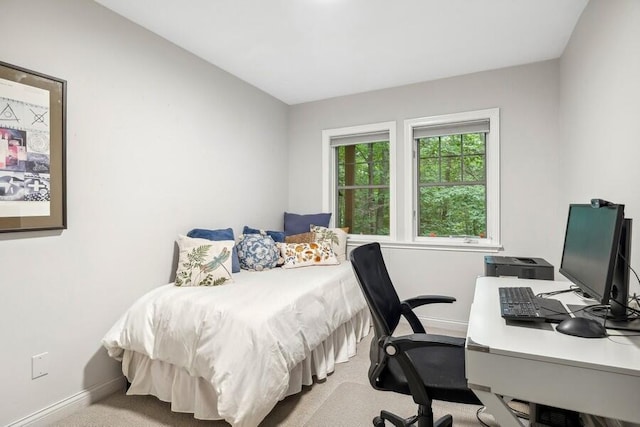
[244, 337]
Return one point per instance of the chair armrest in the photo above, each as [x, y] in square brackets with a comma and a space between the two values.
[428, 299]
[404, 343]
[414, 322]
[408, 305]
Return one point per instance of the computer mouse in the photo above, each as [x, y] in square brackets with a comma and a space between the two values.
[582, 327]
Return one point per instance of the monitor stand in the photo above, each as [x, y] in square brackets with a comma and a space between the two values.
[630, 325]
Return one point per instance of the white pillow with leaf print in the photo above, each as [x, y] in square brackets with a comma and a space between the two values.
[337, 237]
[304, 254]
[203, 262]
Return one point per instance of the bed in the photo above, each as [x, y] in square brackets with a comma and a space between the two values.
[233, 351]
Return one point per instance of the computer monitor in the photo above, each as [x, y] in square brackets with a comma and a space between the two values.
[596, 251]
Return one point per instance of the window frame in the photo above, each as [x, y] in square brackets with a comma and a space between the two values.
[329, 178]
[492, 165]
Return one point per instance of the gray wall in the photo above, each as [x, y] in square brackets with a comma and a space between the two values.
[532, 221]
[158, 142]
[600, 76]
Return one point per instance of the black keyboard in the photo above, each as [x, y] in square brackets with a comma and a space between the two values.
[520, 304]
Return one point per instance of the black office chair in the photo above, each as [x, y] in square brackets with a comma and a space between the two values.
[427, 367]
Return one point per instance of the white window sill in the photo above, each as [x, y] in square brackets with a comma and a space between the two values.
[355, 240]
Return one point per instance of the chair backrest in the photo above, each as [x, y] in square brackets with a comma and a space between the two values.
[373, 278]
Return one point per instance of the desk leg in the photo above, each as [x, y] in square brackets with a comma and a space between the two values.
[497, 407]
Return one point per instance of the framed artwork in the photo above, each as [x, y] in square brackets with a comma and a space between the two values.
[32, 150]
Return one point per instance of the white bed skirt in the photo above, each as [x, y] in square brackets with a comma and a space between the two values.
[198, 396]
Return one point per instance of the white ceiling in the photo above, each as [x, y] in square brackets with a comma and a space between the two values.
[306, 50]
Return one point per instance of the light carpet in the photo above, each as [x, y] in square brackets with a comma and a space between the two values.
[353, 404]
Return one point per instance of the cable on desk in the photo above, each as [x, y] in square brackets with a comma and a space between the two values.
[597, 310]
[585, 308]
[636, 299]
[593, 308]
[554, 312]
[552, 293]
[569, 311]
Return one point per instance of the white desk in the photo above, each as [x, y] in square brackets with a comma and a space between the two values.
[537, 364]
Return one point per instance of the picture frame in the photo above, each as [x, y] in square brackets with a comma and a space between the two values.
[32, 150]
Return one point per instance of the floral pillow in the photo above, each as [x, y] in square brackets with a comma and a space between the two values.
[306, 254]
[257, 252]
[203, 262]
[222, 234]
[336, 236]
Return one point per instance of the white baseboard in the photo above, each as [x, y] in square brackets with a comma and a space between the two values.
[451, 325]
[71, 404]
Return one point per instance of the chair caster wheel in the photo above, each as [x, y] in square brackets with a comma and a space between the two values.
[378, 422]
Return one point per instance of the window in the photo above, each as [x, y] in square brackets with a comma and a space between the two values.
[455, 174]
[448, 196]
[359, 178]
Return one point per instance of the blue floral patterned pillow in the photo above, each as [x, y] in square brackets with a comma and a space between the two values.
[257, 252]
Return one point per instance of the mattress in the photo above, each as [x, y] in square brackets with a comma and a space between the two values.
[233, 351]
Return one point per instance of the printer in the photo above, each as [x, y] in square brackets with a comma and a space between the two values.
[524, 268]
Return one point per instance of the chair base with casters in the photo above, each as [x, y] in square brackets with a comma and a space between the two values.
[424, 418]
[425, 366]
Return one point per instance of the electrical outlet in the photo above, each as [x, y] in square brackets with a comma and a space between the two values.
[39, 365]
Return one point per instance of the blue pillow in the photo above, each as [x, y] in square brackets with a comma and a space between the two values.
[277, 236]
[296, 224]
[257, 252]
[217, 235]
